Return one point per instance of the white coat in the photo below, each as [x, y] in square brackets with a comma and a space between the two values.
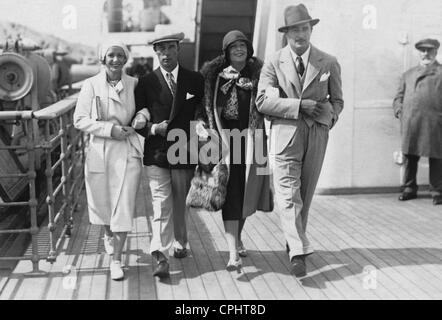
[113, 167]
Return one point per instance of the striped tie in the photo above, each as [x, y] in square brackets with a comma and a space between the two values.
[171, 82]
[301, 67]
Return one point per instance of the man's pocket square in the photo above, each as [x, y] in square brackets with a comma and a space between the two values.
[324, 76]
[189, 96]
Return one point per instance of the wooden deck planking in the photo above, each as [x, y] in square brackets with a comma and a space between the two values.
[131, 287]
[381, 259]
[241, 280]
[71, 256]
[250, 274]
[417, 273]
[353, 262]
[277, 257]
[427, 278]
[357, 243]
[147, 288]
[282, 285]
[192, 275]
[142, 229]
[87, 263]
[274, 288]
[274, 236]
[348, 285]
[345, 247]
[209, 278]
[401, 240]
[347, 268]
[208, 237]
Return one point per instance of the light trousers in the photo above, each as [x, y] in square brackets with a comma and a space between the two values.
[295, 174]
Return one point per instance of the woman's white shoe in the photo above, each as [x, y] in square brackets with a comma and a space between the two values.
[109, 244]
[116, 271]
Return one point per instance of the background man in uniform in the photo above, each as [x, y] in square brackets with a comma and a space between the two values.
[418, 104]
[300, 89]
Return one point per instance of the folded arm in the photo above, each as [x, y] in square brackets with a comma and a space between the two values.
[84, 117]
[142, 114]
[269, 100]
[335, 90]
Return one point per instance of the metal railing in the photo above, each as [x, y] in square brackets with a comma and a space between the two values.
[59, 150]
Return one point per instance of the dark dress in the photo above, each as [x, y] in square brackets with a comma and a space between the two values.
[232, 208]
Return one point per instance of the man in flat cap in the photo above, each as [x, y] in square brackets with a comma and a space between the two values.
[300, 91]
[418, 105]
[172, 96]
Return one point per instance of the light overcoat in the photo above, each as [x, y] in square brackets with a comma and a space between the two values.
[113, 167]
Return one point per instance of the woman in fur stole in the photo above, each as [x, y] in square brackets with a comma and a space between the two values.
[231, 82]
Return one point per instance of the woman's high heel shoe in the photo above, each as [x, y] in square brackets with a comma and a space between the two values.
[242, 252]
[234, 265]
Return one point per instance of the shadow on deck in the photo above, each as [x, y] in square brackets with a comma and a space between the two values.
[367, 247]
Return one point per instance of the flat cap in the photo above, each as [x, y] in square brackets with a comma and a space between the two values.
[427, 43]
[178, 37]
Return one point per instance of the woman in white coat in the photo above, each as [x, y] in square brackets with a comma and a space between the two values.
[104, 110]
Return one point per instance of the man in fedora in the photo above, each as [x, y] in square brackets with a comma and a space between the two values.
[172, 95]
[300, 92]
[418, 105]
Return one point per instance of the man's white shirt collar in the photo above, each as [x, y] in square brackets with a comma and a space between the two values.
[174, 72]
[305, 56]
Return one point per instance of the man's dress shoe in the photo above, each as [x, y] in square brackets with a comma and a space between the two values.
[298, 266]
[180, 253]
[437, 200]
[407, 196]
[162, 270]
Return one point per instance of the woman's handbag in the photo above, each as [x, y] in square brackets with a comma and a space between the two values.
[208, 189]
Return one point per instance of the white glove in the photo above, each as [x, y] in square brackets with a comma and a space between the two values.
[201, 131]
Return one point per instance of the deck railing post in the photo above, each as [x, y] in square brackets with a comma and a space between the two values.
[65, 175]
[32, 174]
[50, 199]
[71, 144]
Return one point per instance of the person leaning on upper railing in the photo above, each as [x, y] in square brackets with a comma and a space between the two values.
[231, 82]
[105, 108]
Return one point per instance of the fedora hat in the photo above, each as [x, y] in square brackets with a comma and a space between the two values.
[178, 37]
[296, 15]
[427, 43]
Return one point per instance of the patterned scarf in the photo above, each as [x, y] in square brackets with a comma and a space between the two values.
[230, 110]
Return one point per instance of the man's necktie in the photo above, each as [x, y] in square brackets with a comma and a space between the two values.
[301, 67]
[171, 83]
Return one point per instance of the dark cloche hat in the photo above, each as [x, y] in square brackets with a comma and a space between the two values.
[296, 15]
[236, 35]
[427, 43]
[178, 37]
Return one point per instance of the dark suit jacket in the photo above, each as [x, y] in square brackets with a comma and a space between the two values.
[153, 92]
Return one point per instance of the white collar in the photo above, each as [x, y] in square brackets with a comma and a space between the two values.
[120, 84]
[427, 65]
[305, 56]
[174, 72]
